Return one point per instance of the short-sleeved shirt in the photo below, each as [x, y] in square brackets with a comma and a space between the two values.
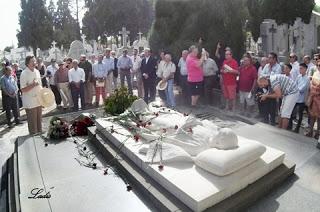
[229, 78]
[247, 77]
[286, 84]
[76, 75]
[269, 70]
[9, 84]
[30, 99]
[210, 67]
[195, 73]
[183, 67]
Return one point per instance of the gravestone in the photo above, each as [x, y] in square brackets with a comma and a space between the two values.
[76, 49]
[141, 43]
[124, 33]
[54, 53]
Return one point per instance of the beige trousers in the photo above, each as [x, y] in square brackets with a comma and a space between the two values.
[65, 93]
[88, 89]
[34, 117]
[108, 86]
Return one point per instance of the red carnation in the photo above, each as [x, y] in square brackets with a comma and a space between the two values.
[136, 138]
[105, 172]
[129, 188]
[160, 167]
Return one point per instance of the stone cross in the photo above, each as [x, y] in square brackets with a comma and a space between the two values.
[54, 44]
[140, 35]
[124, 34]
[272, 30]
[55, 49]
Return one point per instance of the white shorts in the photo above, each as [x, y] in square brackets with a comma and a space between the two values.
[244, 98]
[288, 103]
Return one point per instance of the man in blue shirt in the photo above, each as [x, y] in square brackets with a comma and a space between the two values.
[124, 65]
[303, 83]
[9, 94]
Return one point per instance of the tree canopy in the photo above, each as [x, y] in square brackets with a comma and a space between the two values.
[109, 16]
[179, 24]
[66, 27]
[35, 25]
[282, 11]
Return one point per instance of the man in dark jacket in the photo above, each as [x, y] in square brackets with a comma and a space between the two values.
[148, 70]
[115, 70]
[88, 84]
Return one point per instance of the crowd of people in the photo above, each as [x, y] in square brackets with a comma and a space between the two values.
[288, 91]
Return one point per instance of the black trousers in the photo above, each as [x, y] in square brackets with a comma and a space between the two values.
[56, 93]
[149, 90]
[186, 96]
[75, 93]
[208, 84]
[298, 108]
[11, 104]
[269, 110]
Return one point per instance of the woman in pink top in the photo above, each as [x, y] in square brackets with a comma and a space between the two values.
[195, 74]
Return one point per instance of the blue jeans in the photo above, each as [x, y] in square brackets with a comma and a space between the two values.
[170, 100]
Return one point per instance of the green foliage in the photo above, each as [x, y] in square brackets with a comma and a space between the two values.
[180, 24]
[118, 102]
[109, 16]
[8, 48]
[66, 27]
[35, 25]
[283, 11]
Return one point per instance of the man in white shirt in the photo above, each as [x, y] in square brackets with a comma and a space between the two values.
[51, 71]
[184, 77]
[109, 63]
[293, 58]
[136, 71]
[30, 83]
[100, 74]
[311, 66]
[76, 79]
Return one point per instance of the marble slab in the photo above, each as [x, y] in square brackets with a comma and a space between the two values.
[195, 187]
[72, 187]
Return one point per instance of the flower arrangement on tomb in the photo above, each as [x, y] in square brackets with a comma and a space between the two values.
[79, 126]
[58, 128]
[118, 102]
[139, 124]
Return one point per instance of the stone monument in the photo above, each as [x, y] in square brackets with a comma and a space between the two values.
[76, 49]
[175, 149]
[124, 33]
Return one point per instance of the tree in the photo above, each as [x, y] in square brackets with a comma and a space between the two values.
[8, 48]
[108, 16]
[283, 11]
[178, 24]
[35, 25]
[51, 9]
[66, 27]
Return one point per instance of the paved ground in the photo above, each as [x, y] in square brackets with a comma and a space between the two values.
[299, 193]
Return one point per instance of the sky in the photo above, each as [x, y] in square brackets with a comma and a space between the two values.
[10, 22]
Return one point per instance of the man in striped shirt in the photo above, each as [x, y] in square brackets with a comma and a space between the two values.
[282, 87]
